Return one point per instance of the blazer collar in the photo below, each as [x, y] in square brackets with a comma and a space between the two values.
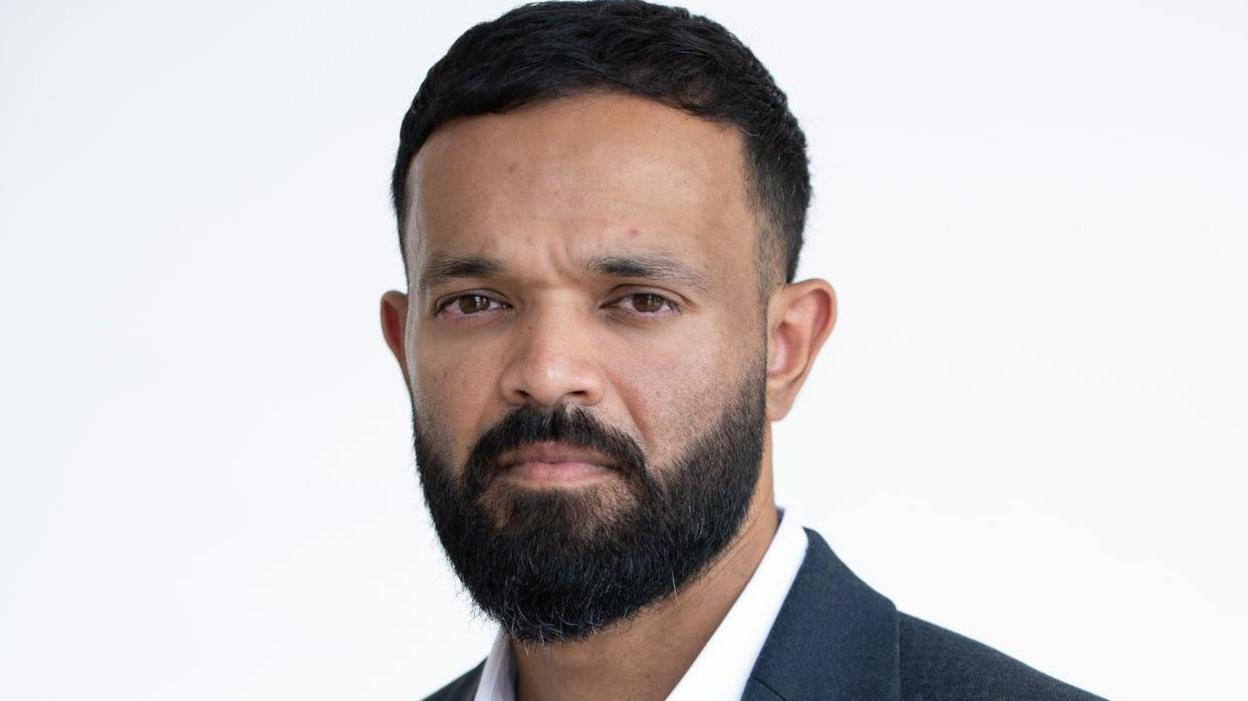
[835, 637]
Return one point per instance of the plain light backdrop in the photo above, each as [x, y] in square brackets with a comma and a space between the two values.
[1029, 425]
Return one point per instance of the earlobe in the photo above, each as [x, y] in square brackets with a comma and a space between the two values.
[393, 325]
[801, 317]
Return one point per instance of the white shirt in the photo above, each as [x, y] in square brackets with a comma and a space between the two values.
[722, 668]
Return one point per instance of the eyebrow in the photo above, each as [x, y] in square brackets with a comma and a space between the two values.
[441, 268]
[656, 267]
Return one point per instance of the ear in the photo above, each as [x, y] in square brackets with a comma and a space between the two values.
[799, 318]
[393, 324]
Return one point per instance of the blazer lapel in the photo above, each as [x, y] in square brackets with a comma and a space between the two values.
[834, 638]
[462, 689]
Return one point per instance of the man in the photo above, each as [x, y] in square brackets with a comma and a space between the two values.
[600, 209]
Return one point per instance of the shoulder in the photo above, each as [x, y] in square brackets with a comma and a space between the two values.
[462, 689]
[936, 664]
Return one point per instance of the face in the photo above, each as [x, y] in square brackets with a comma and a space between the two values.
[585, 349]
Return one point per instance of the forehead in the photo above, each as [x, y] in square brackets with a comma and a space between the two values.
[582, 173]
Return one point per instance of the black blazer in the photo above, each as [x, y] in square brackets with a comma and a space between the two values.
[837, 639]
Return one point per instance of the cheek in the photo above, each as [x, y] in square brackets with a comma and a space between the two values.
[451, 390]
[677, 390]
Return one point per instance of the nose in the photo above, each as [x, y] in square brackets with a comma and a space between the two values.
[552, 360]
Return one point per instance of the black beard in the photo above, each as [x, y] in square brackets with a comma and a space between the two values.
[559, 565]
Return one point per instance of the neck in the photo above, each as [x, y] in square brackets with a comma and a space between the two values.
[620, 662]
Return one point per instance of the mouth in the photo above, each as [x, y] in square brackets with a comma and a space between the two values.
[554, 464]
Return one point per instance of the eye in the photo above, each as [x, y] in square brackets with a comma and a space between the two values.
[646, 303]
[468, 305]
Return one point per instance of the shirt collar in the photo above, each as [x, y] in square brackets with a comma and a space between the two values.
[722, 668]
[835, 638]
[498, 677]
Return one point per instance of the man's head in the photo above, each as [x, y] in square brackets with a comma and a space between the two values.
[595, 332]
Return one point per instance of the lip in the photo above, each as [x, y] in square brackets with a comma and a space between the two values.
[553, 463]
[550, 452]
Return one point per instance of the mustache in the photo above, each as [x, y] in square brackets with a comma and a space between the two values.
[573, 426]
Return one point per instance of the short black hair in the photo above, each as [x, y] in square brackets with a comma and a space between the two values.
[547, 50]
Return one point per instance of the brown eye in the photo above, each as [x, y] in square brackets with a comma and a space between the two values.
[472, 304]
[647, 303]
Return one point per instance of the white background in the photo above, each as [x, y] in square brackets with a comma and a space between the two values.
[1028, 426]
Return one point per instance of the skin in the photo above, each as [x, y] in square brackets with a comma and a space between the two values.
[543, 192]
